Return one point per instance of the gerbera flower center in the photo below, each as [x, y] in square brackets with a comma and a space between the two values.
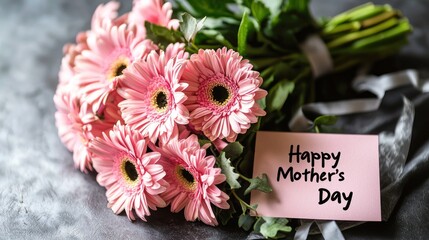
[219, 94]
[160, 100]
[117, 67]
[186, 178]
[129, 172]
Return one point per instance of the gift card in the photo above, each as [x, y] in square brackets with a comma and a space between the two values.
[318, 176]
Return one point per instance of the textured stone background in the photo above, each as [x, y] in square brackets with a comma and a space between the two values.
[43, 197]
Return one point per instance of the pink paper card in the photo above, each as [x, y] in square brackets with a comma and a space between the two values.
[318, 176]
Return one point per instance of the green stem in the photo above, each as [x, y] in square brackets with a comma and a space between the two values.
[245, 178]
[379, 18]
[401, 29]
[361, 34]
[241, 200]
[316, 129]
[345, 16]
[346, 64]
[367, 14]
[346, 27]
[192, 47]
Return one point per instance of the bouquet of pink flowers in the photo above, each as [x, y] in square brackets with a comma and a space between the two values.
[166, 110]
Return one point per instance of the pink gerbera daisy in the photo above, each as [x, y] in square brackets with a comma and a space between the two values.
[76, 123]
[71, 117]
[104, 12]
[193, 179]
[222, 93]
[74, 128]
[71, 51]
[154, 95]
[153, 11]
[98, 69]
[109, 112]
[131, 175]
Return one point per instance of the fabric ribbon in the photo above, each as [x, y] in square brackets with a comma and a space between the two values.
[317, 54]
[376, 85]
[329, 230]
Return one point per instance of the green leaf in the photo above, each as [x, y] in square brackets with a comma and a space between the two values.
[259, 11]
[273, 5]
[162, 35]
[224, 215]
[247, 3]
[262, 103]
[260, 184]
[228, 171]
[321, 121]
[325, 120]
[212, 8]
[189, 26]
[233, 150]
[242, 34]
[246, 221]
[278, 94]
[272, 227]
[258, 224]
[211, 39]
[203, 142]
[298, 6]
[293, 18]
[268, 76]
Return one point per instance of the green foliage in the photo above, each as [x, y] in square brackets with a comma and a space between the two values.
[242, 34]
[260, 11]
[273, 227]
[228, 171]
[161, 35]
[203, 142]
[259, 183]
[233, 150]
[321, 121]
[294, 18]
[212, 8]
[325, 120]
[224, 215]
[246, 221]
[300, 7]
[189, 26]
[278, 94]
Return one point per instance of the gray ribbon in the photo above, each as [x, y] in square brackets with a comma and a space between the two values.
[376, 85]
[379, 85]
[317, 54]
[329, 230]
[393, 152]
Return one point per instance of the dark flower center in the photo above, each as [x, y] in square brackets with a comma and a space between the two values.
[131, 171]
[119, 69]
[161, 100]
[220, 94]
[187, 176]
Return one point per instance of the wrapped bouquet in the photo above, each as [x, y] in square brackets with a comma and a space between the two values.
[164, 101]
